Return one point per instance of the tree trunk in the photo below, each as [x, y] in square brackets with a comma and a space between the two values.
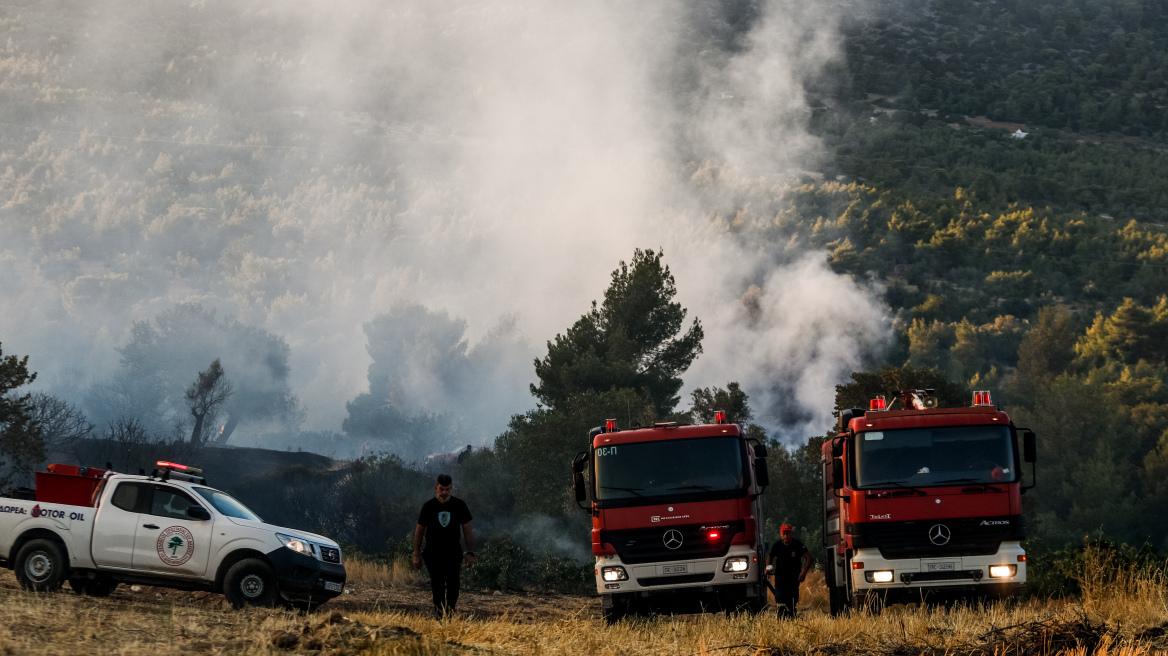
[197, 431]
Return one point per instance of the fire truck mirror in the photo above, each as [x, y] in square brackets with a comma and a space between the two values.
[837, 473]
[761, 473]
[1029, 447]
[578, 487]
[837, 448]
[760, 451]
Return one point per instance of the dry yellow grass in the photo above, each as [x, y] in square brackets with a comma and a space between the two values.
[1118, 617]
[378, 574]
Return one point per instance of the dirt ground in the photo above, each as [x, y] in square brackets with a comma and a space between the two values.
[391, 616]
[412, 599]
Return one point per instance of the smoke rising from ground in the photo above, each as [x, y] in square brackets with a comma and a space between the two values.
[309, 167]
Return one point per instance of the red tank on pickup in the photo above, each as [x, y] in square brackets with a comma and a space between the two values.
[923, 502]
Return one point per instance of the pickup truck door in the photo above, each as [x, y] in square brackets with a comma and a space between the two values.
[116, 523]
[169, 542]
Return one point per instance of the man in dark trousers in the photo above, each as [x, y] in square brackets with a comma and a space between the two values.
[790, 561]
[440, 522]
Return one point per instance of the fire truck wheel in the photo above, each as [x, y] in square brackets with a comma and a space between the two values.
[251, 582]
[872, 602]
[617, 612]
[93, 587]
[752, 605]
[837, 600]
[40, 566]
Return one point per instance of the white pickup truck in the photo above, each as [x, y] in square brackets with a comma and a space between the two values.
[96, 529]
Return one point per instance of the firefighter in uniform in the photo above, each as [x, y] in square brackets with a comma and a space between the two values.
[790, 561]
[440, 522]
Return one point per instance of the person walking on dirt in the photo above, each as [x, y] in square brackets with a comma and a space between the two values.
[790, 560]
[441, 520]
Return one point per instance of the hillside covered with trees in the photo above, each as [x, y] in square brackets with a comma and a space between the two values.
[194, 230]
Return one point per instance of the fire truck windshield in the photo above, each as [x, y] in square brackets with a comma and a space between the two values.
[704, 467]
[951, 455]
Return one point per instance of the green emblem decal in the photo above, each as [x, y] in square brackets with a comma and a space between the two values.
[175, 545]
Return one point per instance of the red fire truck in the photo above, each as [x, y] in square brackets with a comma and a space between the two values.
[676, 516]
[924, 503]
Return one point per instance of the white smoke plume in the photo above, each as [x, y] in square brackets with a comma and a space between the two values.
[310, 166]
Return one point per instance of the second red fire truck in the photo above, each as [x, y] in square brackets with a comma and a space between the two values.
[676, 516]
[924, 502]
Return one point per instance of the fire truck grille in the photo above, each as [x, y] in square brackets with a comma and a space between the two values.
[674, 580]
[665, 543]
[968, 536]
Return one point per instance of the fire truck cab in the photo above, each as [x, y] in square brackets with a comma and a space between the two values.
[676, 516]
[924, 503]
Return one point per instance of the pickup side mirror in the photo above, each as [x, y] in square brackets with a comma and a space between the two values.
[762, 475]
[198, 512]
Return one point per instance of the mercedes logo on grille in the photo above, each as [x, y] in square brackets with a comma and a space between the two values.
[939, 535]
[672, 539]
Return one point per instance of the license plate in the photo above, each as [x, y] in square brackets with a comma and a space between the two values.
[942, 567]
[674, 569]
[333, 586]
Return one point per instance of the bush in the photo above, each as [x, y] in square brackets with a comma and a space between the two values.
[1096, 568]
[563, 574]
[504, 564]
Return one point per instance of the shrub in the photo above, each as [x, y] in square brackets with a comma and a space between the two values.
[502, 564]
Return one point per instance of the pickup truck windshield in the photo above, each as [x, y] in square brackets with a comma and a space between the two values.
[955, 455]
[671, 468]
[227, 505]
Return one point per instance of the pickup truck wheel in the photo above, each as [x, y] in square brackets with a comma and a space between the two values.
[40, 566]
[251, 582]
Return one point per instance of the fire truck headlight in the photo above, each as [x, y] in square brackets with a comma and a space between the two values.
[736, 564]
[880, 576]
[1003, 571]
[295, 544]
[614, 574]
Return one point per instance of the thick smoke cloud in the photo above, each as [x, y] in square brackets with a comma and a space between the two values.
[308, 167]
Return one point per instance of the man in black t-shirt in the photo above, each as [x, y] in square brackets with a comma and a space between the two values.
[441, 521]
[791, 561]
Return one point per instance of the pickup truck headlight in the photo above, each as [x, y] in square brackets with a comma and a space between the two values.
[296, 544]
[614, 574]
[1002, 571]
[736, 564]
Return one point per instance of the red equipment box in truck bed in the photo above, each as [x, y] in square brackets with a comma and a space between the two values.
[68, 484]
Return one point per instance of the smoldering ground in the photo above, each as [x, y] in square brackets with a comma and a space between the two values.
[308, 168]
